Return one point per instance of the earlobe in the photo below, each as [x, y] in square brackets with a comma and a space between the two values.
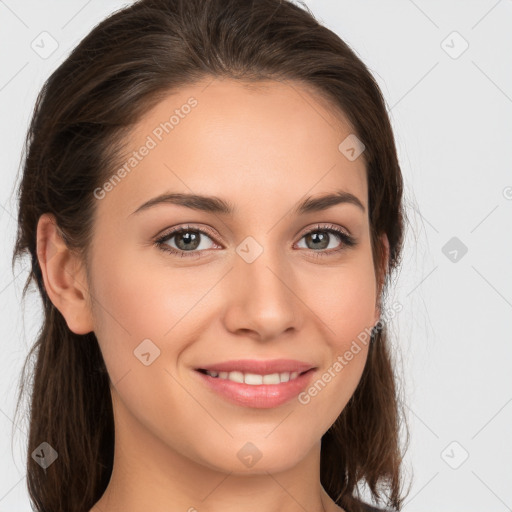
[64, 279]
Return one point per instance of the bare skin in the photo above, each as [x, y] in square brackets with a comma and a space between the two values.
[263, 149]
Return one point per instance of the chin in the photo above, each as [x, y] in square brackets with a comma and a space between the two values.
[255, 458]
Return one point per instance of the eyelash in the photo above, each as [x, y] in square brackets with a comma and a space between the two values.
[347, 240]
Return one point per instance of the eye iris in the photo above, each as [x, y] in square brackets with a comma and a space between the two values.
[319, 237]
[189, 238]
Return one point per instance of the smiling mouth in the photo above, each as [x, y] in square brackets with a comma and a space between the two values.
[254, 379]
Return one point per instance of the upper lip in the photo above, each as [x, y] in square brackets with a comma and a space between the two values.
[261, 367]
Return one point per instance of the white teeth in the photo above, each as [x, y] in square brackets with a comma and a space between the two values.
[273, 378]
[236, 376]
[253, 378]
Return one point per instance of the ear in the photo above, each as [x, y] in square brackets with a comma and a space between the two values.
[64, 276]
[382, 273]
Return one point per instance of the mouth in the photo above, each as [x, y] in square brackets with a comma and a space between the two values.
[254, 379]
[257, 384]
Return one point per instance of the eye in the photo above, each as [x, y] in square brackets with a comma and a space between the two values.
[189, 240]
[321, 238]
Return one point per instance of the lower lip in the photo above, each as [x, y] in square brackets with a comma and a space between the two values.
[261, 396]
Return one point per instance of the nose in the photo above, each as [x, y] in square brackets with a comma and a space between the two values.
[262, 301]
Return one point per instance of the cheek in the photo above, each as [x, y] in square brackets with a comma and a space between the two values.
[132, 303]
[344, 300]
[347, 318]
[346, 313]
[138, 294]
[139, 297]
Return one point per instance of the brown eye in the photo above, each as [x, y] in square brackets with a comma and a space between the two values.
[321, 238]
[186, 240]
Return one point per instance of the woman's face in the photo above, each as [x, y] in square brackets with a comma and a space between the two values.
[263, 282]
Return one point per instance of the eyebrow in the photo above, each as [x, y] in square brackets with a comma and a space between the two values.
[212, 204]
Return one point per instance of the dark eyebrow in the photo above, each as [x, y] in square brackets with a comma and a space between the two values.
[212, 204]
[317, 204]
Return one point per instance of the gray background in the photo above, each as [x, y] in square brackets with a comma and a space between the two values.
[451, 110]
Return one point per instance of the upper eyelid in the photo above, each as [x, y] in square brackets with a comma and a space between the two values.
[174, 231]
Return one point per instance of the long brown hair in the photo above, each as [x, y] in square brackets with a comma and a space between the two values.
[123, 67]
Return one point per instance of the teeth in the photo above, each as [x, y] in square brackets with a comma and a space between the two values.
[273, 378]
[253, 378]
[236, 376]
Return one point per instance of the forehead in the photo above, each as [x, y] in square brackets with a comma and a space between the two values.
[252, 142]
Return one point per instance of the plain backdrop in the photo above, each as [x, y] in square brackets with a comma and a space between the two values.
[445, 70]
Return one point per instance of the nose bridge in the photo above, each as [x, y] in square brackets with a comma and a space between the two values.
[263, 267]
[264, 283]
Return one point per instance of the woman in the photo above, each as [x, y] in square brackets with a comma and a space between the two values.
[212, 203]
